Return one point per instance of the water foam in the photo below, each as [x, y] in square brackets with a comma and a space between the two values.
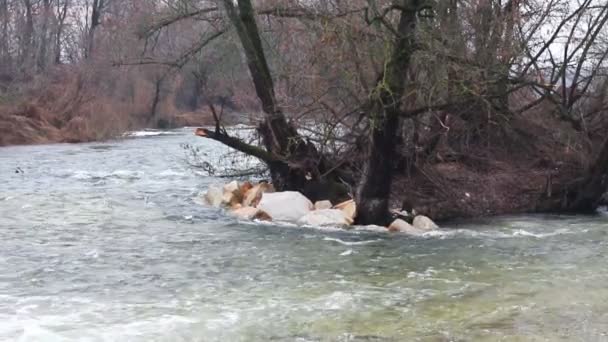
[350, 243]
[138, 134]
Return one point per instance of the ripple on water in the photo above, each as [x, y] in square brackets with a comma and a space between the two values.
[108, 242]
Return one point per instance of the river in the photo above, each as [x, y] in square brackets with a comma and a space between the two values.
[109, 242]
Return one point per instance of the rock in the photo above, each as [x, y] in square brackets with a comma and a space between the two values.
[244, 188]
[230, 199]
[285, 206]
[399, 213]
[424, 223]
[325, 217]
[403, 227]
[250, 213]
[324, 189]
[349, 208]
[319, 205]
[232, 194]
[231, 187]
[252, 196]
[398, 225]
[214, 196]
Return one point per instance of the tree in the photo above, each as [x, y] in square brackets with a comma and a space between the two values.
[96, 11]
[61, 15]
[28, 35]
[294, 163]
[374, 188]
[452, 108]
[41, 61]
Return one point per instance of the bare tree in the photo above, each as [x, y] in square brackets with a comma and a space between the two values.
[97, 8]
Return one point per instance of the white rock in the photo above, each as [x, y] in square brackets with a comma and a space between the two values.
[214, 195]
[399, 212]
[285, 206]
[250, 213]
[349, 208]
[323, 205]
[424, 223]
[244, 187]
[229, 199]
[231, 195]
[231, 187]
[403, 227]
[252, 196]
[325, 217]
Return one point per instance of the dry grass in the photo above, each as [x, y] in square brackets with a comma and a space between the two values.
[78, 104]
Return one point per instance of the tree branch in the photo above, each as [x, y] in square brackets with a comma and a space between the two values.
[183, 59]
[167, 21]
[238, 145]
[303, 13]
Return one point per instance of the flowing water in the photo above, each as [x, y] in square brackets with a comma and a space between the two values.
[109, 242]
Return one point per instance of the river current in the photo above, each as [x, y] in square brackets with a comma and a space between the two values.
[110, 242]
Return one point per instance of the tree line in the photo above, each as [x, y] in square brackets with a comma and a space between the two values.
[452, 108]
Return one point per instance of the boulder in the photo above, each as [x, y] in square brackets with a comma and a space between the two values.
[230, 199]
[250, 213]
[424, 223]
[402, 214]
[403, 227]
[214, 196]
[232, 194]
[349, 208]
[319, 205]
[325, 217]
[252, 196]
[285, 206]
[244, 188]
[231, 187]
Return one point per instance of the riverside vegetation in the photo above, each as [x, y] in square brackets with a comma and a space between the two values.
[447, 108]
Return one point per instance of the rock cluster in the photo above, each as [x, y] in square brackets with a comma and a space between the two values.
[246, 201]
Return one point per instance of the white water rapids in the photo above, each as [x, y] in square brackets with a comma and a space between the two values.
[108, 242]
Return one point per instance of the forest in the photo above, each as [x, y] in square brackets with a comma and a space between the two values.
[451, 108]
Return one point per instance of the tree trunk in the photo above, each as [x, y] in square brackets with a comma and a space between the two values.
[4, 39]
[152, 118]
[297, 162]
[63, 11]
[28, 36]
[42, 53]
[584, 195]
[454, 42]
[505, 46]
[373, 191]
[95, 20]
[4, 33]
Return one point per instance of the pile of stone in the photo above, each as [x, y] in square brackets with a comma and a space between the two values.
[261, 202]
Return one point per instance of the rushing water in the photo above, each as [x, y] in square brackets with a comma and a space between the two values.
[109, 242]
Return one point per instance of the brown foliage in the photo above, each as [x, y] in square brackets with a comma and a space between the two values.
[533, 155]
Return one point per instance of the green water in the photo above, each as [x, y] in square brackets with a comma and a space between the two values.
[109, 242]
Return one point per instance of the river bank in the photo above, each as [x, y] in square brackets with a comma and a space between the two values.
[32, 124]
